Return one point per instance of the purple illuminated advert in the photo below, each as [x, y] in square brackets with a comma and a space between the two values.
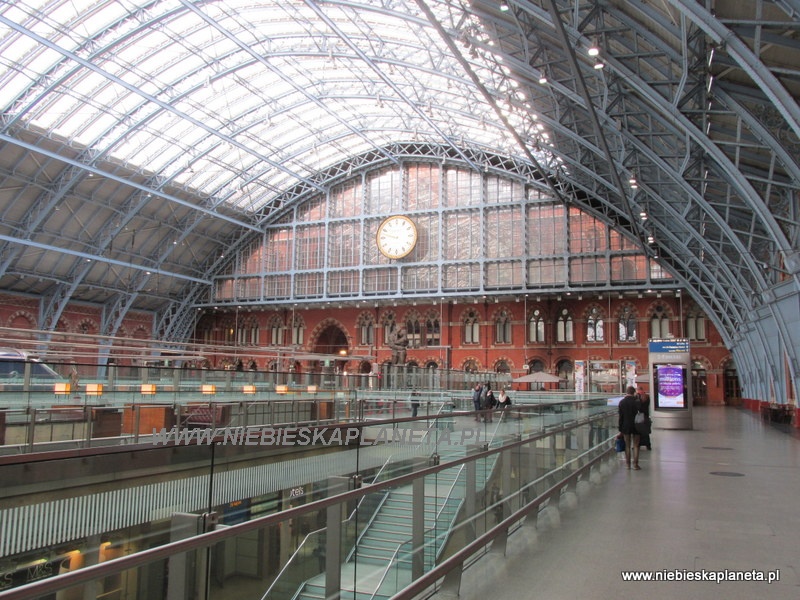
[670, 387]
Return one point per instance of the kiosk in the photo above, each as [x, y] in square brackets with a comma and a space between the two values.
[670, 385]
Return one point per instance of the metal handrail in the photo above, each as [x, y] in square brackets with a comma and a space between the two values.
[205, 540]
[349, 518]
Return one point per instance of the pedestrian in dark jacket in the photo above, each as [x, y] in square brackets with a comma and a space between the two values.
[628, 407]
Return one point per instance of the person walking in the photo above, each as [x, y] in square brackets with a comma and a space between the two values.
[644, 406]
[476, 400]
[489, 403]
[628, 408]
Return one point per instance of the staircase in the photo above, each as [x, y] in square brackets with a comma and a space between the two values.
[382, 557]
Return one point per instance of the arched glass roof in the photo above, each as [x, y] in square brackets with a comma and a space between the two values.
[140, 140]
[240, 100]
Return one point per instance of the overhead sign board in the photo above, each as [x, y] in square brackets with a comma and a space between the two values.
[669, 346]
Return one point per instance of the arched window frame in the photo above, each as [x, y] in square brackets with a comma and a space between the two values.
[595, 325]
[696, 326]
[503, 327]
[565, 330]
[536, 327]
[472, 328]
[389, 325]
[433, 331]
[298, 331]
[366, 330]
[628, 325]
[414, 331]
[659, 323]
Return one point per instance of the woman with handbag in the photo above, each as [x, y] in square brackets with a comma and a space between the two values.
[628, 409]
[644, 407]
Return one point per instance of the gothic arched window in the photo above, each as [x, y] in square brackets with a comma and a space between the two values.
[627, 325]
[536, 327]
[472, 328]
[659, 323]
[502, 327]
[564, 327]
[594, 326]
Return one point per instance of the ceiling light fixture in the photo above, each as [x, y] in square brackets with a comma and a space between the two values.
[593, 50]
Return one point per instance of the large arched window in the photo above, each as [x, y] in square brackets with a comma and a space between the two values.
[627, 325]
[564, 327]
[594, 325]
[502, 328]
[659, 323]
[536, 327]
[472, 328]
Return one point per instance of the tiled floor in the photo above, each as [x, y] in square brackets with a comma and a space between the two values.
[723, 496]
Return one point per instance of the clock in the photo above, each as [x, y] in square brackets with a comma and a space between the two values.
[396, 236]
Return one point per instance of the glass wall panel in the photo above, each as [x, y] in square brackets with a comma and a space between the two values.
[279, 250]
[277, 286]
[546, 272]
[312, 210]
[461, 277]
[345, 200]
[422, 182]
[310, 247]
[308, 285]
[343, 283]
[620, 242]
[344, 244]
[502, 190]
[504, 236]
[372, 255]
[383, 193]
[421, 279]
[591, 269]
[658, 272]
[586, 234]
[629, 268]
[380, 281]
[462, 188]
[462, 235]
[547, 230]
[251, 288]
[427, 248]
[505, 274]
[252, 257]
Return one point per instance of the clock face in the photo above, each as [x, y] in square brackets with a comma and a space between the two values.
[396, 237]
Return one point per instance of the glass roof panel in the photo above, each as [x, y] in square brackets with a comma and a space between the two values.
[214, 91]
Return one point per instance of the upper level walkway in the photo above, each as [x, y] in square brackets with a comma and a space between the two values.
[722, 497]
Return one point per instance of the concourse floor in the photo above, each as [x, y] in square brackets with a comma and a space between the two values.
[722, 497]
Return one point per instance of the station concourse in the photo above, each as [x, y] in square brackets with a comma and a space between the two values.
[224, 215]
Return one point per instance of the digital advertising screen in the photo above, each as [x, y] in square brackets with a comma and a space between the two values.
[670, 387]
